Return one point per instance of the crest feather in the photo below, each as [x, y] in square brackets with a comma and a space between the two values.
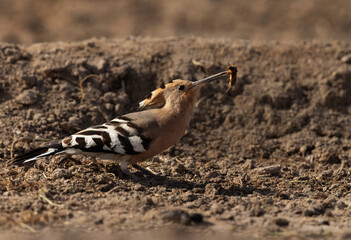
[154, 100]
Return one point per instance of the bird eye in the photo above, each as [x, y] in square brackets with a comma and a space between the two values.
[181, 87]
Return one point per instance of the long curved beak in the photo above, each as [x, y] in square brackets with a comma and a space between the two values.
[198, 84]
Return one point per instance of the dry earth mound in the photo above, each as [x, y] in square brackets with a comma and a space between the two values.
[271, 156]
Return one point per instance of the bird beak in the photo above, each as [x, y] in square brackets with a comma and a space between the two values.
[198, 84]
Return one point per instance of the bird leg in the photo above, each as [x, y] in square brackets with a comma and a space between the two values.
[124, 168]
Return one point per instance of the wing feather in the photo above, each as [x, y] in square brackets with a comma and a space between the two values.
[120, 136]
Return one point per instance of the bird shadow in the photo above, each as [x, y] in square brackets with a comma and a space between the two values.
[216, 189]
[170, 182]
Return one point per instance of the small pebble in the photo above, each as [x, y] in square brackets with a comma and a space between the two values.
[27, 97]
[196, 217]
[269, 170]
[99, 221]
[149, 202]
[74, 121]
[179, 168]
[61, 173]
[346, 58]
[282, 222]
[182, 217]
[95, 65]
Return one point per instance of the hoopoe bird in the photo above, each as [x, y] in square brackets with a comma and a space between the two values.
[159, 123]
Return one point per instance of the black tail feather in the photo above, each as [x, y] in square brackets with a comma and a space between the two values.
[38, 153]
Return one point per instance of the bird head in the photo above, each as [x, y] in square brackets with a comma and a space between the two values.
[178, 91]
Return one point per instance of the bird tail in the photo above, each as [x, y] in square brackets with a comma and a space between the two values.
[51, 149]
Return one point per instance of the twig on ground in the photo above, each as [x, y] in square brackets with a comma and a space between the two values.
[82, 94]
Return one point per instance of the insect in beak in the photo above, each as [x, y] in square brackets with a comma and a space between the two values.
[232, 72]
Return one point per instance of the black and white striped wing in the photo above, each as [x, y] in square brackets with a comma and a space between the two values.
[120, 136]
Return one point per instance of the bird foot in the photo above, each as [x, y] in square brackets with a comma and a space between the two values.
[131, 175]
[124, 168]
[146, 171]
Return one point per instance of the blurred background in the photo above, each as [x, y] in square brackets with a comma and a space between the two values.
[28, 21]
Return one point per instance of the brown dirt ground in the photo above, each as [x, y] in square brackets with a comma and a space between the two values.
[270, 158]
